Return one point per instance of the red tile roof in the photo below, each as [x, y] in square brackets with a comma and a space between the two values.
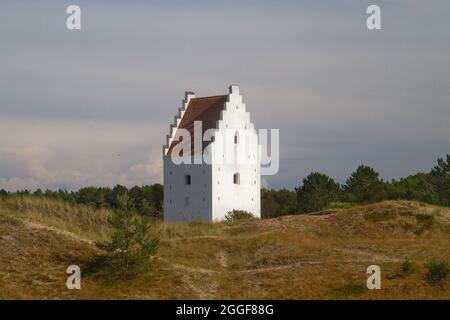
[204, 109]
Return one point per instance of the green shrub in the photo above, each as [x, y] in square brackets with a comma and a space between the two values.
[438, 273]
[349, 289]
[235, 215]
[407, 266]
[340, 205]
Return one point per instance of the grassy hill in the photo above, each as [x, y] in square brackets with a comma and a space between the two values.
[316, 256]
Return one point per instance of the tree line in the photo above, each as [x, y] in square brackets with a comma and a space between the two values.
[146, 200]
[316, 192]
[364, 186]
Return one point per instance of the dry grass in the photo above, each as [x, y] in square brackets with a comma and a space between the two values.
[317, 256]
[78, 219]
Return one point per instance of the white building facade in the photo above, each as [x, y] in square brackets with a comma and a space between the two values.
[211, 160]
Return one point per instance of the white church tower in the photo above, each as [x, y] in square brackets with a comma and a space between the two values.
[211, 160]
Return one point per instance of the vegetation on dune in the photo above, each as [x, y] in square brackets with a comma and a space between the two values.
[41, 233]
[348, 289]
[438, 273]
[364, 186]
[236, 215]
[340, 205]
[147, 200]
[407, 266]
[130, 247]
[80, 219]
[182, 230]
[325, 255]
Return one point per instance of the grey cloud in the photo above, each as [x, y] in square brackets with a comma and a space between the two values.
[339, 94]
[75, 154]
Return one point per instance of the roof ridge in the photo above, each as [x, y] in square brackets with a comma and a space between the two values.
[209, 97]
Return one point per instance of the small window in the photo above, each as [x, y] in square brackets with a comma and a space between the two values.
[237, 107]
[187, 201]
[236, 178]
[236, 137]
[213, 138]
[187, 179]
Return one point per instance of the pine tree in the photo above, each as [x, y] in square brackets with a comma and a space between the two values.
[440, 176]
[317, 191]
[130, 247]
[364, 186]
[3, 193]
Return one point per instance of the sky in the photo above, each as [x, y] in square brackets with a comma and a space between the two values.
[92, 107]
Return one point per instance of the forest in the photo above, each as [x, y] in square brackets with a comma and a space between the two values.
[316, 192]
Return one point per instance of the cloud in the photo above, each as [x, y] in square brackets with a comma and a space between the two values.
[93, 107]
[49, 154]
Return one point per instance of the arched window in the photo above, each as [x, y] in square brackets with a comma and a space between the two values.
[236, 137]
[187, 179]
[236, 178]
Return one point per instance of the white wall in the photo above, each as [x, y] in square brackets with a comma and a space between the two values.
[227, 195]
[198, 194]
